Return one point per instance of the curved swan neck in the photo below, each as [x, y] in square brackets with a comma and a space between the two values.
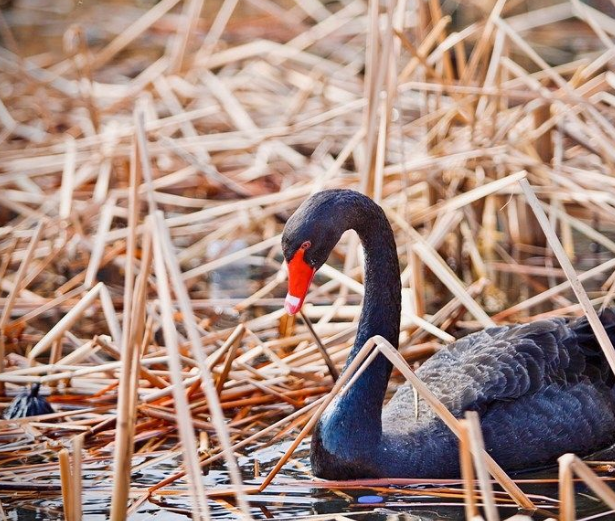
[381, 305]
[357, 413]
[382, 302]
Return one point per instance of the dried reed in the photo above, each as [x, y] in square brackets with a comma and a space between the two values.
[479, 134]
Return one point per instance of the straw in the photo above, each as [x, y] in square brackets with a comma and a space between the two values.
[226, 117]
[478, 449]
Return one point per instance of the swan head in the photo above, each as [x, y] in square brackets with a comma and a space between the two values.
[308, 238]
[300, 275]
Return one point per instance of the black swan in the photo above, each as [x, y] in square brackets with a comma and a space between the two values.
[541, 389]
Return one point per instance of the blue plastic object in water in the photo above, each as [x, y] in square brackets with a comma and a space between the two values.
[370, 499]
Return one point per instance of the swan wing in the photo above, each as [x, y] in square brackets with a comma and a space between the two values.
[537, 428]
[506, 363]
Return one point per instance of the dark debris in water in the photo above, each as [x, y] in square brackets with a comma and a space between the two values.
[28, 403]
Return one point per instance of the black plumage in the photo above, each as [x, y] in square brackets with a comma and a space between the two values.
[541, 389]
[28, 403]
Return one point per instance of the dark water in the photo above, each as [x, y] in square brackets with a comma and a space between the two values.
[293, 495]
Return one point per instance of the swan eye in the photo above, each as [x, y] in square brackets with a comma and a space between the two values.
[305, 245]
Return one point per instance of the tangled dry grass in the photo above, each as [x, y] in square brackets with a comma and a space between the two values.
[154, 156]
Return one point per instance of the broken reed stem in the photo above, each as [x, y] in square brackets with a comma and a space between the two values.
[418, 283]
[77, 476]
[335, 374]
[137, 336]
[10, 301]
[68, 178]
[232, 344]
[104, 225]
[216, 30]
[544, 142]
[122, 461]
[191, 13]
[207, 384]
[109, 314]
[377, 181]
[67, 484]
[76, 47]
[564, 261]
[566, 488]
[200, 508]
[467, 470]
[478, 450]
[379, 65]
[19, 277]
[66, 322]
[145, 164]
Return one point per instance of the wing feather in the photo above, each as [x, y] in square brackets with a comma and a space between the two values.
[507, 362]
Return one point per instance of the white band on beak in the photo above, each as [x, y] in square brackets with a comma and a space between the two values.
[292, 304]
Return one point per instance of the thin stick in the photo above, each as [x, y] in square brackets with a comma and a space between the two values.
[68, 179]
[206, 379]
[144, 158]
[123, 455]
[109, 313]
[323, 351]
[200, 508]
[104, 224]
[478, 450]
[232, 344]
[566, 488]
[191, 13]
[467, 472]
[216, 30]
[66, 322]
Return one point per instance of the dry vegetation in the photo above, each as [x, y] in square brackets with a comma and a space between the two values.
[143, 164]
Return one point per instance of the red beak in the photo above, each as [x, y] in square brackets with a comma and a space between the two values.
[300, 275]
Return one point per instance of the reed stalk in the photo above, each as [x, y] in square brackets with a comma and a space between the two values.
[438, 115]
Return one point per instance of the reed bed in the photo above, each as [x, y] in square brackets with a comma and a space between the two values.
[147, 170]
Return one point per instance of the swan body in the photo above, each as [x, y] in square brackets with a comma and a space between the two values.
[541, 389]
